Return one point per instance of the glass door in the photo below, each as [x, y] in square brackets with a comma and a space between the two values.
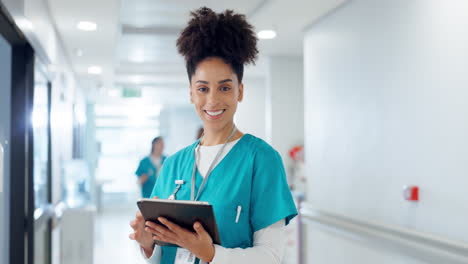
[5, 122]
[43, 210]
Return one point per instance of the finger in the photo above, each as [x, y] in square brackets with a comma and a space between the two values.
[151, 224]
[171, 226]
[150, 230]
[199, 229]
[164, 238]
[138, 215]
[164, 231]
[134, 224]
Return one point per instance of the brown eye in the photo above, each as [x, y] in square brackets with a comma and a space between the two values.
[202, 89]
[225, 88]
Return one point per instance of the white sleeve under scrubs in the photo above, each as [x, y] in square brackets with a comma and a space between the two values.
[251, 177]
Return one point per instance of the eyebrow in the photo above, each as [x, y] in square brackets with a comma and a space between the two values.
[223, 81]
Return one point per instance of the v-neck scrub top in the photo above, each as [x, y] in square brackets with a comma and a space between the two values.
[251, 176]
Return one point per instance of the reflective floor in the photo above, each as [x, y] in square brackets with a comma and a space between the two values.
[112, 244]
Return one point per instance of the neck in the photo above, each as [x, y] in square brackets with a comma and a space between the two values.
[213, 137]
[156, 155]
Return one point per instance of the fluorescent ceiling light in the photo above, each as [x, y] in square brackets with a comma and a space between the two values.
[86, 26]
[266, 34]
[114, 93]
[94, 70]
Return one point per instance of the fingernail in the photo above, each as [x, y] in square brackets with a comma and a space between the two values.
[197, 225]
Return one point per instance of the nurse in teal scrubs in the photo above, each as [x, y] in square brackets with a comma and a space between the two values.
[244, 179]
[148, 169]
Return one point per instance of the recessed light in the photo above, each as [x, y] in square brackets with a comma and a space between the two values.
[95, 70]
[266, 34]
[86, 26]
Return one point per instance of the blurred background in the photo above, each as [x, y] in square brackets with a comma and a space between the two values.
[364, 100]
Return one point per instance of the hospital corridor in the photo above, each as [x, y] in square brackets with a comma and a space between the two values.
[248, 131]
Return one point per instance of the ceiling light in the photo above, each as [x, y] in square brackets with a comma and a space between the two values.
[266, 34]
[94, 70]
[114, 93]
[86, 26]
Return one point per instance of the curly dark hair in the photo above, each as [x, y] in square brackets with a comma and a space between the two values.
[225, 35]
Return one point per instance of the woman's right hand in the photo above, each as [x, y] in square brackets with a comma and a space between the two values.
[140, 235]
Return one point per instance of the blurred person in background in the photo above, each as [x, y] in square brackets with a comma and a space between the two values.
[149, 167]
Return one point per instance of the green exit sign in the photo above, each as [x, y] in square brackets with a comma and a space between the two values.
[131, 92]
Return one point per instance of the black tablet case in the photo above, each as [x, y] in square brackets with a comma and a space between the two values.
[183, 213]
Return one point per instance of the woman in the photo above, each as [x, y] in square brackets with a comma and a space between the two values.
[240, 175]
[149, 167]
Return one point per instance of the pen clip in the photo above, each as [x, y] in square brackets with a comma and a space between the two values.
[239, 209]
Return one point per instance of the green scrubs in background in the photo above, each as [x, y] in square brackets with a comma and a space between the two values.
[147, 167]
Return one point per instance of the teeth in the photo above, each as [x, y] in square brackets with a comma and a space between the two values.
[215, 113]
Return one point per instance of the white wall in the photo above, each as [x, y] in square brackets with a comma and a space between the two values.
[179, 126]
[385, 86]
[250, 115]
[328, 247]
[285, 104]
[5, 122]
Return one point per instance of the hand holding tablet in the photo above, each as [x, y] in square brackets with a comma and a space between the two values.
[182, 213]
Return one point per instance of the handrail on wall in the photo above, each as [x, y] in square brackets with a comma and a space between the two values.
[417, 244]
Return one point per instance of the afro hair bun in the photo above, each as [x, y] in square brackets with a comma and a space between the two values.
[227, 35]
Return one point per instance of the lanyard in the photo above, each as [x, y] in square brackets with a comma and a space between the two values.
[194, 171]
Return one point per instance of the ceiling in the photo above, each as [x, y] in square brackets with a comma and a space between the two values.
[135, 40]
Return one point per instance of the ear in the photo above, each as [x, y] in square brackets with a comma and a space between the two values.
[241, 92]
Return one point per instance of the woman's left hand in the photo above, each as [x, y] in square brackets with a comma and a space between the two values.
[199, 243]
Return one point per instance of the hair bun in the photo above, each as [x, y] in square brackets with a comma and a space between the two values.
[227, 35]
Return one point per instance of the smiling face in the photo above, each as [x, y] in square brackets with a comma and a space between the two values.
[215, 92]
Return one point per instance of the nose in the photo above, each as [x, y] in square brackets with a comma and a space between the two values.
[213, 98]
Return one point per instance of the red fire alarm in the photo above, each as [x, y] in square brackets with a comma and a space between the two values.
[411, 193]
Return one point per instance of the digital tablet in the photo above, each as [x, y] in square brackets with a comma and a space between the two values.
[182, 213]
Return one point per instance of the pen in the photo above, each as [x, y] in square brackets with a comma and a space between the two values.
[239, 209]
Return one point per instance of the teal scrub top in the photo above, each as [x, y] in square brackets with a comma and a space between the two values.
[147, 167]
[251, 175]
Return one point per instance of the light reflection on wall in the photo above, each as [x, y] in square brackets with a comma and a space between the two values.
[124, 132]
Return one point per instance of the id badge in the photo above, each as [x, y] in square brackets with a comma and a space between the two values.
[184, 256]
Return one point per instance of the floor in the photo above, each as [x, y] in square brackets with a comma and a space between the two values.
[111, 242]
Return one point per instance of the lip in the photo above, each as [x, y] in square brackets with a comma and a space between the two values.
[214, 117]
